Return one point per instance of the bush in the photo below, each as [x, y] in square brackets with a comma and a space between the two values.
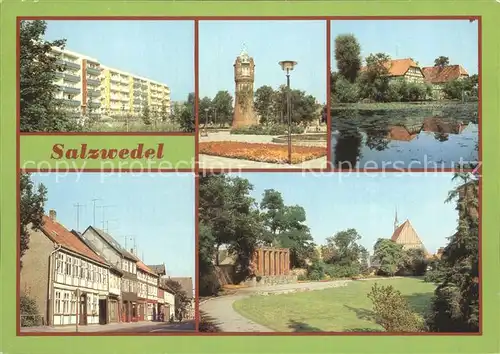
[434, 276]
[316, 271]
[342, 271]
[275, 129]
[345, 91]
[30, 316]
[393, 312]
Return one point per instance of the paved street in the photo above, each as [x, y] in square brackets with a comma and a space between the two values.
[138, 327]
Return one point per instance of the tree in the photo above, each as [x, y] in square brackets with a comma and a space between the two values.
[263, 104]
[146, 115]
[374, 81]
[285, 227]
[304, 107]
[455, 307]
[40, 110]
[229, 212]
[415, 261]
[392, 310]
[204, 110]
[222, 104]
[347, 257]
[348, 56]
[186, 115]
[32, 202]
[389, 254]
[182, 300]
[442, 61]
[164, 113]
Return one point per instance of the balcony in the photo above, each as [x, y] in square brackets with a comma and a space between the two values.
[93, 70]
[70, 102]
[115, 78]
[70, 89]
[71, 77]
[93, 82]
[68, 64]
[94, 104]
[94, 93]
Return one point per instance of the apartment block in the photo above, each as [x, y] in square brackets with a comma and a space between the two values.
[79, 83]
[127, 94]
[88, 88]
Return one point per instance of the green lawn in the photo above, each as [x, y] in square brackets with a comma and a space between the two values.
[345, 309]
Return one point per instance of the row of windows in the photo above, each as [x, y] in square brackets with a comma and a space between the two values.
[129, 266]
[65, 303]
[79, 268]
[129, 286]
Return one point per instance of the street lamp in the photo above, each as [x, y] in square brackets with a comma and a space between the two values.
[287, 66]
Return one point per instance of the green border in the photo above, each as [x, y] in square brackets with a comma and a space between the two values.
[487, 343]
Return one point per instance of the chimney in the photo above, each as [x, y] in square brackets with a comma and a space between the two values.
[132, 251]
[52, 214]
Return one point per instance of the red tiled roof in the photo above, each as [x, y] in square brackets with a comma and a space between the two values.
[62, 236]
[400, 134]
[398, 67]
[397, 232]
[145, 268]
[441, 74]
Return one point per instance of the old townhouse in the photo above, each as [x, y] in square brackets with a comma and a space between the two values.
[187, 285]
[148, 292]
[166, 297]
[405, 69]
[437, 76]
[122, 263]
[68, 281]
[114, 286]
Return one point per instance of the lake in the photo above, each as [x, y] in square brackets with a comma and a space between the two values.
[397, 136]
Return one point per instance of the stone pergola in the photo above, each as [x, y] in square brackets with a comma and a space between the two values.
[272, 261]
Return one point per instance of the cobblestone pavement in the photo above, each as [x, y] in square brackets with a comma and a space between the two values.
[228, 320]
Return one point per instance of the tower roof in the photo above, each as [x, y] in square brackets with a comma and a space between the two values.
[244, 57]
[406, 235]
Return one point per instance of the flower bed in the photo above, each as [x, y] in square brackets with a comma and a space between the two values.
[272, 153]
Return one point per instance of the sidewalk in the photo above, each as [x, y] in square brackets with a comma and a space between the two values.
[92, 327]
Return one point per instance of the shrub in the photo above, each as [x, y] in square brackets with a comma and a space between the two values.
[30, 316]
[345, 91]
[393, 312]
[342, 271]
[316, 271]
[301, 277]
[274, 129]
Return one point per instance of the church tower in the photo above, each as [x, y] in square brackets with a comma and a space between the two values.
[396, 222]
[244, 69]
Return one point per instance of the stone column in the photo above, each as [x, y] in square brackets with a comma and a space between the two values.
[266, 267]
[282, 264]
[261, 261]
[271, 260]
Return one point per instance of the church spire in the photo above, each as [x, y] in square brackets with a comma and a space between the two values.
[396, 222]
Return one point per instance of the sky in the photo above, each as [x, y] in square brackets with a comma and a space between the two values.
[422, 40]
[156, 209]
[367, 203]
[268, 42]
[162, 51]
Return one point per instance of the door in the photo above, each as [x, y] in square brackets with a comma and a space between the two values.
[82, 311]
[112, 311]
[102, 311]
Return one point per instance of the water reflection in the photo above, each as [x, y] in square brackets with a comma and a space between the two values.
[416, 138]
